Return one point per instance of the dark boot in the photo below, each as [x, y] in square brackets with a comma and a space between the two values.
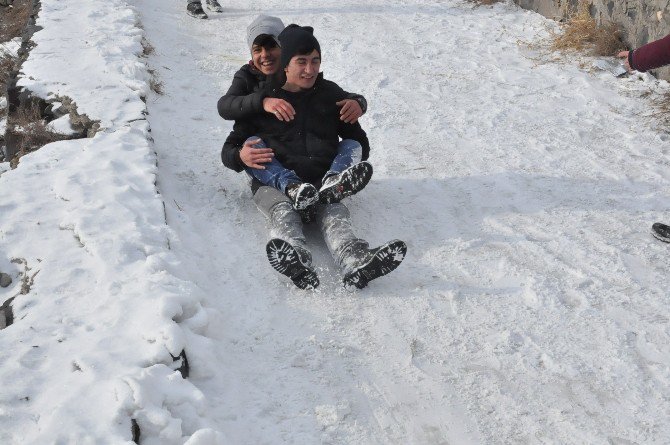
[287, 250]
[302, 195]
[292, 261]
[213, 6]
[194, 9]
[661, 232]
[351, 181]
[359, 263]
[362, 265]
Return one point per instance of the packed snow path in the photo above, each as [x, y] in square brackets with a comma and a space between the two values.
[533, 306]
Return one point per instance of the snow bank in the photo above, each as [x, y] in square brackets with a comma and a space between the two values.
[87, 50]
[83, 236]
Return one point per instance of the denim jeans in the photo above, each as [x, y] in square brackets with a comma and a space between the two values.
[349, 152]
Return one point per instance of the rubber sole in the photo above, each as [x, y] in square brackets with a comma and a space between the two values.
[285, 259]
[353, 180]
[661, 232]
[384, 260]
[306, 196]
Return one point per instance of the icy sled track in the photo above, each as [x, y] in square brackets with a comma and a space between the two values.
[533, 305]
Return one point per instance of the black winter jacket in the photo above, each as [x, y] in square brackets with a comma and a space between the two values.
[308, 143]
[246, 93]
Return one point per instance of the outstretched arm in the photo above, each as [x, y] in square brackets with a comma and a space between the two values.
[652, 55]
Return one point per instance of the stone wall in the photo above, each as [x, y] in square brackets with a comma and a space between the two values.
[642, 21]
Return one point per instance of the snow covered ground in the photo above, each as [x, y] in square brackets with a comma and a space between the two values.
[533, 305]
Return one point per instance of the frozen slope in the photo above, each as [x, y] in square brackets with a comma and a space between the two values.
[533, 306]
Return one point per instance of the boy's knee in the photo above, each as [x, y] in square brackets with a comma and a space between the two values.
[335, 210]
[350, 143]
[259, 144]
[266, 199]
[354, 147]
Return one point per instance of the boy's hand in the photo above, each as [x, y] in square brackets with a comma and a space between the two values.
[280, 108]
[624, 55]
[351, 110]
[255, 157]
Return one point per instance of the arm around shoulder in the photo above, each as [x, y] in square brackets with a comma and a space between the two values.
[242, 99]
[360, 99]
[346, 95]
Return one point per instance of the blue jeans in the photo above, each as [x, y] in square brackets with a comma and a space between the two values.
[349, 152]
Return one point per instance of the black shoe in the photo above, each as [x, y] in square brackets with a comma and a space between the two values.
[351, 181]
[213, 6]
[302, 195]
[374, 263]
[195, 10]
[661, 232]
[294, 262]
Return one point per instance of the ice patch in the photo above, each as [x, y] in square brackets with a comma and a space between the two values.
[611, 66]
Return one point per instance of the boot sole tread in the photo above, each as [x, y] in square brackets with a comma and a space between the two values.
[661, 232]
[285, 259]
[386, 259]
[352, 182]
[308, 197]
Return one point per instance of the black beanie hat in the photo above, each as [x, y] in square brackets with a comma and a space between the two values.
[296, 38]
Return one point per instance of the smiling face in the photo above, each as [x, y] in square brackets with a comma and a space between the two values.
[265, 55]
[302, 71]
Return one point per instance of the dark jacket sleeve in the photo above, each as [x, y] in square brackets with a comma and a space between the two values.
[344, 130]
[355, 132]
[230, 152]
[650, 56]
[360, 99]
[241, 100]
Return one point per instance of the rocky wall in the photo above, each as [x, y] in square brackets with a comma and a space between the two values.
[642, 21]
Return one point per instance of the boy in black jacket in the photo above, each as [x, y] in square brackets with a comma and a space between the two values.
[308, 144]
[247, 97]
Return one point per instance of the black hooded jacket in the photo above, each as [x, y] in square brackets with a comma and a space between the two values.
[308, 143]
[246, 93]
